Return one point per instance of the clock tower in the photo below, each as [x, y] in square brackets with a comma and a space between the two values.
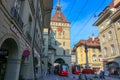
[60, 27]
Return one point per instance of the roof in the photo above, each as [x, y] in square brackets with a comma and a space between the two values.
[90, 42]
[56, 17]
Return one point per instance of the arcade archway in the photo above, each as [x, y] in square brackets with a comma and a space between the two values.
[59, 61]
[113, 68]
[8, 59]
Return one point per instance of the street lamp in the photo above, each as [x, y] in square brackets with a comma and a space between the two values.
[86, 51]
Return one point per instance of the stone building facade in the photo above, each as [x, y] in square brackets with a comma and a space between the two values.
[109, 30]
[60, 38]
[94, 53]
[21, 27]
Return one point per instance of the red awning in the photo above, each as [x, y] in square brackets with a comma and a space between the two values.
[105, 60]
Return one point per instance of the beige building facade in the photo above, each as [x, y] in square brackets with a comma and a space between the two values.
[109, 30]
[21, 27]
[94, 53]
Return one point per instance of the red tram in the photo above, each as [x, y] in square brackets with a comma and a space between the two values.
[75, 69]
[61, 69]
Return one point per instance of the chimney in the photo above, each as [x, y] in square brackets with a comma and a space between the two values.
[93, 37]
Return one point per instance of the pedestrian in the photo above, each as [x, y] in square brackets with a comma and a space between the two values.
[101, 74]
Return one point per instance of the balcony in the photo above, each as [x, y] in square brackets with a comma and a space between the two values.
[17, 17]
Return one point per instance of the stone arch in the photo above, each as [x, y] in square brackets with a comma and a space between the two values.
[59, 60]
[10, 36]
[113, 66]
[10, 58]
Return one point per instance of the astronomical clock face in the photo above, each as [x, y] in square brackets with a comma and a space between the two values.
[60, 29]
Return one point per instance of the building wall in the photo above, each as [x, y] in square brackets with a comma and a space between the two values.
[110, 22]
[81, 57]
[63, 41]
[16, 34]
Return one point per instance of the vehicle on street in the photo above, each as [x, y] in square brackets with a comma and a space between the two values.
[61, 69]
[76, 69]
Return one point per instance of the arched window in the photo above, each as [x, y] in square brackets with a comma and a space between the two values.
[112, 49]
[105, 51]
[94, 57]
[110, 35]
[100, 57]
[104, 38]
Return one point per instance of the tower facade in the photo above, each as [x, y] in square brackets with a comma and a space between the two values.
[60, 30]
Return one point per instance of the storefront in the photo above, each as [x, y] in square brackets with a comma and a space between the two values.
[113, 68]
[9, 59]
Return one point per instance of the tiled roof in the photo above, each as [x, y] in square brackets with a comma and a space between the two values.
[56, 17]
[90, 42]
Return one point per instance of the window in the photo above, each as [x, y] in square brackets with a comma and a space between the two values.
[30, 24]
[112, 49]
[110, 35]
[104, 38]
[100, 57]
[19, 5]
[94, 57]
[105, 51]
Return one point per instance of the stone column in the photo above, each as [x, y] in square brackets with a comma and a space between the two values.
[12, 70]
[27, 70]
[86, 51]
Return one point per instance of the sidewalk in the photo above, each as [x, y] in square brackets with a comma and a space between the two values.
[111, 78]
[48, 77]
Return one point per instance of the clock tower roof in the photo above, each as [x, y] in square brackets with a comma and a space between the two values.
[59, 16]
[59, 19]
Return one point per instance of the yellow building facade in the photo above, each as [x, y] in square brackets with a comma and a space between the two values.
[94, 53]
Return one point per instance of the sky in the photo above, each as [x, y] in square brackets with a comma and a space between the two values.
[81, 14]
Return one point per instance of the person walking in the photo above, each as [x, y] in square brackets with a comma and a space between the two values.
[101, 74]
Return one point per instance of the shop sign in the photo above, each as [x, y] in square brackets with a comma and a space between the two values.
[15, 30]
[26, 53]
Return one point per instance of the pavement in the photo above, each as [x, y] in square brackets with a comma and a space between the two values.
[73, 77]
[57, 77]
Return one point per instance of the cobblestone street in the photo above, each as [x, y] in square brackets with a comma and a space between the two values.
[72, 77]
[57, 77]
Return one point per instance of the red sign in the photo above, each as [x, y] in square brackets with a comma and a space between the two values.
[26, 53]
[59, 29]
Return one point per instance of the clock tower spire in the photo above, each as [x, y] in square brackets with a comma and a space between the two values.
[58, 7]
